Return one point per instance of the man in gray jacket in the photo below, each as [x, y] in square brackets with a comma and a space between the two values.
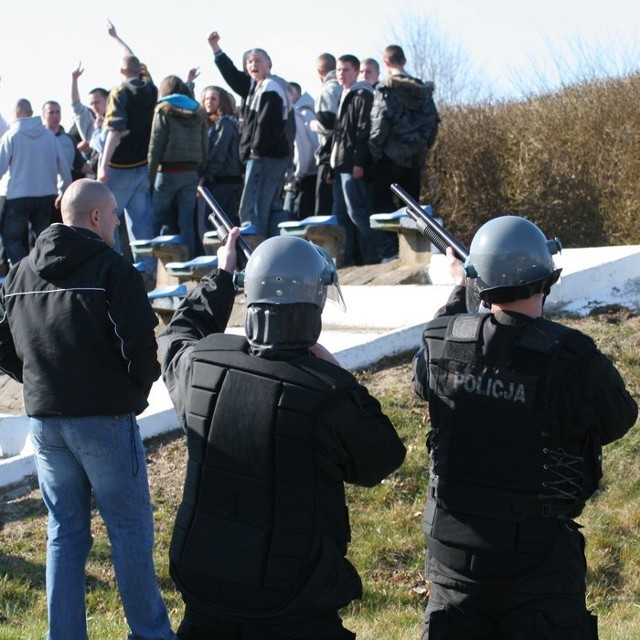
[326, 109]
[32, 155]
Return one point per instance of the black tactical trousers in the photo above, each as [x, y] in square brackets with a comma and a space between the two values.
[453, 614]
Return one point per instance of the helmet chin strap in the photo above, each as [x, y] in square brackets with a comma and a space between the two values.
[511, 294]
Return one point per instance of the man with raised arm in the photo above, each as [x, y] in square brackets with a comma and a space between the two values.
[266, 137]
[89, 119]
[123, 163]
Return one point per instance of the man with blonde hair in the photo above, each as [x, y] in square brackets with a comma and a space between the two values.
[369, 72]
[266, 136]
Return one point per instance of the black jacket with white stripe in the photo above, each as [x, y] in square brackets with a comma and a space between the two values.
[77, 328]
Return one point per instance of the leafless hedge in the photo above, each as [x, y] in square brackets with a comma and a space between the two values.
[568, 161]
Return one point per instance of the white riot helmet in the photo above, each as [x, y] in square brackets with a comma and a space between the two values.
[510, 259]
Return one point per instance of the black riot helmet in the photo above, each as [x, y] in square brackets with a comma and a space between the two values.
[510, 259]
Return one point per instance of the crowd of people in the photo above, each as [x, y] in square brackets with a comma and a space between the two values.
[276, 156]
[520, 406]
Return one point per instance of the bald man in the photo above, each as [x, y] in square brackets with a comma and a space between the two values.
[78, 332]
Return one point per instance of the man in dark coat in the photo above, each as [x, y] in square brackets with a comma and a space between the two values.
[78, 331]
[404, 126]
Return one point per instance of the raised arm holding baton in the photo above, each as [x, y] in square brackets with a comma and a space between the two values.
[223, 226]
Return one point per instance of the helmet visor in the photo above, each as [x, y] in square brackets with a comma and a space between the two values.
[334, 295]
[330, 279]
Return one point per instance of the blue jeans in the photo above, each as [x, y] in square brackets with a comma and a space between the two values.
[104, 454]
[24, 220]
[357, 194]
[176, 190]
[339, 209]
[261, 203]
[133, 197]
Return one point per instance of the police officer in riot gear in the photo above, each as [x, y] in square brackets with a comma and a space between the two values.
[275, 427]
[520, 408]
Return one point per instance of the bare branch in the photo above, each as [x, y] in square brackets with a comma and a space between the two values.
[433, 55]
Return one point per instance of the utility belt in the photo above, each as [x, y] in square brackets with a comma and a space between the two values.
[473, 517]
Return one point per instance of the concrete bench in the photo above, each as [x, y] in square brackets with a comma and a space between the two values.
[211, 241]
[191, 269]
[414, 247]
[166, 299]
[321, 230]
[168, 248]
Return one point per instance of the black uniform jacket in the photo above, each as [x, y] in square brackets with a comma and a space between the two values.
[591, 408]
[353, 442]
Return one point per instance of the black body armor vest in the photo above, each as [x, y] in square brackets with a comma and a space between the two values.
[253, 499]
[501, 470]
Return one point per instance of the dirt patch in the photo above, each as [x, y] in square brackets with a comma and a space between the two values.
[11, 400]
[389, 372]
[612, 313]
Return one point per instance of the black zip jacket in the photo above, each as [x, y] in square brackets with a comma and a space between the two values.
[351, 133]
[77, 328]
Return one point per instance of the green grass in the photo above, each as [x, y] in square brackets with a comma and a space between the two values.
[387, 546]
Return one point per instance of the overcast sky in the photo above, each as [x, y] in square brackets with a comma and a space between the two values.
[42, 42]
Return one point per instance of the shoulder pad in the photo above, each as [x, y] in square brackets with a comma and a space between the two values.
[545, 336]
[337, 378]
[233, 350]
[466, 327]
[436, 328]
[224, 342]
